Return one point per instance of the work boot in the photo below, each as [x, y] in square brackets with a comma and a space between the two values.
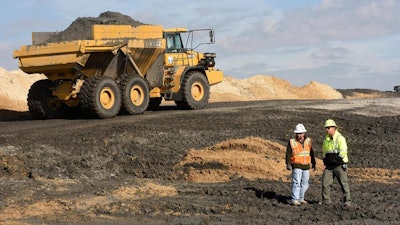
[324, 202]
[304, 202]
[296, 203]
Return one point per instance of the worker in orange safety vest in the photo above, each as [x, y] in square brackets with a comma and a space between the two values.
[299, 159]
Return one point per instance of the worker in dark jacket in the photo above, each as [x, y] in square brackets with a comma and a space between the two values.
[299, 159]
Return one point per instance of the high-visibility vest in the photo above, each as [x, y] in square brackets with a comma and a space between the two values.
[300, 154]
[336, 145]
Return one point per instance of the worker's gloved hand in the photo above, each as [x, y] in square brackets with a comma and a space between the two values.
[289, 167]
[314, 167]
[344, 166]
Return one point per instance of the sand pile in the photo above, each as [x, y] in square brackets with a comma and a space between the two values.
[256, 158]
[261, 87]
[252, 158]
[14, 87]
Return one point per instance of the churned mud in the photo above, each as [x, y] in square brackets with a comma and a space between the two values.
[220, 165]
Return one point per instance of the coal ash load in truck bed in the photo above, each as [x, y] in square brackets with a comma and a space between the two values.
[81, 28]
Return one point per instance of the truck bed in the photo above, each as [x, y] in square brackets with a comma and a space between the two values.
[144, 47]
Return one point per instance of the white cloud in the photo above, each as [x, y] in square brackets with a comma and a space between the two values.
[330, 53]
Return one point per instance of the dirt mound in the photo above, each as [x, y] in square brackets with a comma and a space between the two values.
[256, 158]
[141, 191]
[14, 87]
[262, 87]
[251, 158]
[81, 28]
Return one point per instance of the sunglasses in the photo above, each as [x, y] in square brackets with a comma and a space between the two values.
[328, 128]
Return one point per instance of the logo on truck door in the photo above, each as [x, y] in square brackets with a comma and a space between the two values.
[170, 60]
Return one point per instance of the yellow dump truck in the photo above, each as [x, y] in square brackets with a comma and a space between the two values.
[122, 70]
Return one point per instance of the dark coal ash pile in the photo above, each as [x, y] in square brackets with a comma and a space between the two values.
[81, 28]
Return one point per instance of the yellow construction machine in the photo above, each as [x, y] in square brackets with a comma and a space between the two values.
[123, 69]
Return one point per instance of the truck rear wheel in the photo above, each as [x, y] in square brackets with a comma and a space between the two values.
[42, 104]
[135, 94]
[100, 98]
[195, 91]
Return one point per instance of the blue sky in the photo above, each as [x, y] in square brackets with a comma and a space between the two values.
[341, 43]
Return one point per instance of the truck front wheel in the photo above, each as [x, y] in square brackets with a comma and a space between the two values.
[42, 104]
[195, 91]
[100, 98]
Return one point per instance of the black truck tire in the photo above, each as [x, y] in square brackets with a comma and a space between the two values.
[100, 98]
[41, 103]
[195, 91]
[135, 94]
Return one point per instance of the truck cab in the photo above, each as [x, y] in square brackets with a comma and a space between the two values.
[188, 73]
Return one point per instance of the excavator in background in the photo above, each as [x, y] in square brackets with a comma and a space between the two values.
[123, 69]
[396, 88]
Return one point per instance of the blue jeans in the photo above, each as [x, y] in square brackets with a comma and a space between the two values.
[299, 183]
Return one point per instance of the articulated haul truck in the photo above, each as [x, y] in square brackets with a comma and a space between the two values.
[123, 69]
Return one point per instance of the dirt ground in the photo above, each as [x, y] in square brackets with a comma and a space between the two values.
[220, 165]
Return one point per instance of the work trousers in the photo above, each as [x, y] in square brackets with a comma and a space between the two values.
[299, 183]
[327, 180]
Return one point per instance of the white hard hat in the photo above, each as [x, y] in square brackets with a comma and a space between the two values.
[299, 129]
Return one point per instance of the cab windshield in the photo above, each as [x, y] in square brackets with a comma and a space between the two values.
[174, 43]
